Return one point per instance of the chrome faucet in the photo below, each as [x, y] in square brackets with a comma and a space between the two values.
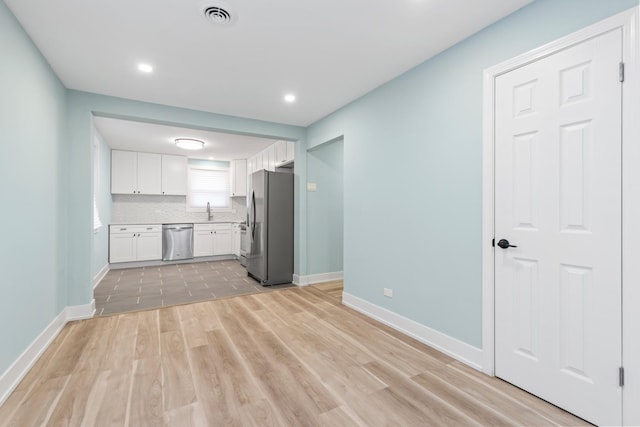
[208, 212]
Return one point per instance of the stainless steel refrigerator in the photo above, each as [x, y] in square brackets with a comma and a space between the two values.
[270, 228]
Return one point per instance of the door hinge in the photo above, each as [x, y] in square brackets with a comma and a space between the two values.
[621, 72]
[621, 376]
[493, 242]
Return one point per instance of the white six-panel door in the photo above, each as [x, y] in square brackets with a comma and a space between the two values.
[558, 330]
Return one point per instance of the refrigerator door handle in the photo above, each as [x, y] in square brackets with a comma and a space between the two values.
[253, 223]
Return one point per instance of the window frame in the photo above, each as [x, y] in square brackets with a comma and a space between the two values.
[97, 221]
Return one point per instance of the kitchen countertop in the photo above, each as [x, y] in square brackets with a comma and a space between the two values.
[176, 222]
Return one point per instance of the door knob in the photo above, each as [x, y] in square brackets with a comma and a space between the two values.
[504, 244]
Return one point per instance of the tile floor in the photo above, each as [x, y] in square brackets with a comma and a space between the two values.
[142, 288]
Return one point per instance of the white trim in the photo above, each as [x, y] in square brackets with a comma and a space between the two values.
[457, 349]
[10, 379]
[80, 312]
[19, 368]
[628, 21]
[98, 277]
[630, 223]
[312, 279]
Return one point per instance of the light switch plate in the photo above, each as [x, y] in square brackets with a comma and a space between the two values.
[311, 186]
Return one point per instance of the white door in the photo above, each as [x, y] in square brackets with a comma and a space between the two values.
[558, 328]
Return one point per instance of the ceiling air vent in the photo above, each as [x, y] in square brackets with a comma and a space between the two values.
[218, 13]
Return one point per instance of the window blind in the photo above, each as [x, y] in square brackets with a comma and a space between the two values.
[209, 185]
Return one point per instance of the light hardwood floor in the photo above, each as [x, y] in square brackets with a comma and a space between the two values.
[293, 357]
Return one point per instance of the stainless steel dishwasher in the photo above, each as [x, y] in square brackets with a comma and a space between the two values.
[177, 241]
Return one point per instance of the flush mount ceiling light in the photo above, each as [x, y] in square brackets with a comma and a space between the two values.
[218, 12]
[189, 144]
[145, 68]
[289, 98]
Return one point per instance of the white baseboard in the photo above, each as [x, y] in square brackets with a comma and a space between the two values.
[80, 312]
[158, 262]
[457, 349]
[10, 379]
[317, 278]
[98, 277]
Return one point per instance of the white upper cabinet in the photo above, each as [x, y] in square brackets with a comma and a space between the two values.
[148, 173]
[285, 152]
[271, 158]
[281, 152]
[291, 151]
[124, 169]
[238, 178]
[174, 175]
[259, 162]
[251, 161]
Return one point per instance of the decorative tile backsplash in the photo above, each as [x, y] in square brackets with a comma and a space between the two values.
[129, 209]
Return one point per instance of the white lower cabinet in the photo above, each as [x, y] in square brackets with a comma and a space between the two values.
[202, 240]
[235, 239]
[128, 243]
[222, 239]
[211, 239]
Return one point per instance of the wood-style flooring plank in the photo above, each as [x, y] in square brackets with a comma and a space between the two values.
[177, 383]
[551, 413]
[145, 406]
[148, 335]
[47, 392]
[289, 357]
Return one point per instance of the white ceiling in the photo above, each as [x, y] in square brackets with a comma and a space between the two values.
[154, 138]
[327, 52]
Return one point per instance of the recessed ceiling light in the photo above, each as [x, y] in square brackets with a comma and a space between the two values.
[289, 97]
[189, 144]
[145, 68]
[210, 158]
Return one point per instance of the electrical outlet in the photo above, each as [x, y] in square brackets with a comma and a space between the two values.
[388, 292]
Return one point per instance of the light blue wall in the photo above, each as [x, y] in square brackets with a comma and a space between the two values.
[419, 138]
[32, 139]
[81, 107]
[423, 129]
[324, 208]
[103, 199]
